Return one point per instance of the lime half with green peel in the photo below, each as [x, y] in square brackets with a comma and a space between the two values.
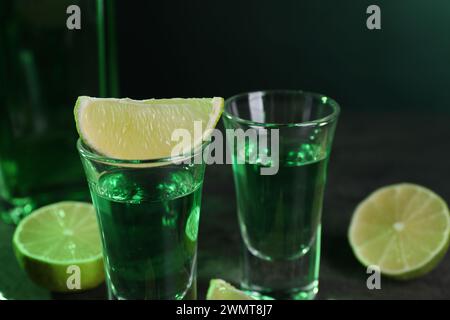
[222, 290]
[146, 129]
[59, 247]
[404, 229]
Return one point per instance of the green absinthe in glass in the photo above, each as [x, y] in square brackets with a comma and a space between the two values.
[280, 208]
[280, 214]
[149, 222]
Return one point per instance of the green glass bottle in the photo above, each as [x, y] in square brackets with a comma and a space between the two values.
[44, 67]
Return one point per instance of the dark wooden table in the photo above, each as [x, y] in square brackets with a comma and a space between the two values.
[370, 150]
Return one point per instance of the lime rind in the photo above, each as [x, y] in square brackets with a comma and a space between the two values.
[222, 290]
[53, 276]
[214, 107]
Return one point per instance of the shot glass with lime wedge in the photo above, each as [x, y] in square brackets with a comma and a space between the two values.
[146, 188]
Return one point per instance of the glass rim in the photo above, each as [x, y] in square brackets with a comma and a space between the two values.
[87, 153]
[319, 121]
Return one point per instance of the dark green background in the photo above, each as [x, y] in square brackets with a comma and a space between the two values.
[393, 76]
[205, 48]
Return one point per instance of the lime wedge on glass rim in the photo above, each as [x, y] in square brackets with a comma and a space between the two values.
[222, 290]
[60, 240]
[404, 229]
[143, 129]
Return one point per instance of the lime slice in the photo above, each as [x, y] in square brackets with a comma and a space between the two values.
[58, 243]
[404, 229]
[222, 290]
[143, 129]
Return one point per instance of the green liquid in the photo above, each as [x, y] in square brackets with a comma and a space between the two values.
[56, 165]
[280, 214]
[44, 70]
[38, 170]
[149, 224]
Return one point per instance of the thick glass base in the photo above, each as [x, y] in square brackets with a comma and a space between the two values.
[15, 209]
[305, 293]
[283, 279]
[190, 293]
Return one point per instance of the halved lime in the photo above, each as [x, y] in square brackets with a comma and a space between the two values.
[146, 129]
[59, 247]
[404, 229]
[222, 290]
